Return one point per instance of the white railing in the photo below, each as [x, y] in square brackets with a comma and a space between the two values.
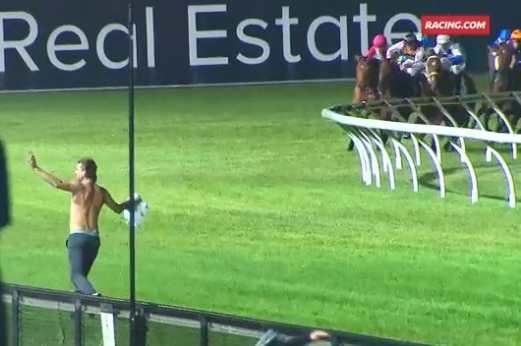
[367, 142]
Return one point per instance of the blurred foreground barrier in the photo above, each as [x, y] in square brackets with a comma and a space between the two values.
[366, 136]
[43, 317]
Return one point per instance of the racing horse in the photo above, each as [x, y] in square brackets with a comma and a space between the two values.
[440, 68]
[366, 72]
[501, 60]
[444, 84]
[394, 83]
[366, 85]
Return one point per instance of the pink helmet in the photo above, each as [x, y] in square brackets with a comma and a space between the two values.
[379, 40]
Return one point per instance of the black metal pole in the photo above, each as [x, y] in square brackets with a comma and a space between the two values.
[131, 241]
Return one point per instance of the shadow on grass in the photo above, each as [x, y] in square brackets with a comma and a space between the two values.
[429, 180]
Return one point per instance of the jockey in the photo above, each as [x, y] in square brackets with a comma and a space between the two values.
[515, 44]
[378, 49]
[410, 54]
[515, 40]
[446, 49]
[502, 37]
[452, 58]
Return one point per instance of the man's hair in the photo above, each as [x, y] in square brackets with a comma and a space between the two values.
[90, 167]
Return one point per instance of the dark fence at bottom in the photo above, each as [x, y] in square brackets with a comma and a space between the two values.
[43, 317]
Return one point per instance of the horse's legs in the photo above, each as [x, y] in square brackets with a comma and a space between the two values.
[457, 83]
[515, 117]
[462, 119]
[385, 114]
[405, 112]
[470, 85]
[437, 118]
[384, 136]
[487, 113]
[351, 145]
[507, 110]
[357, 97]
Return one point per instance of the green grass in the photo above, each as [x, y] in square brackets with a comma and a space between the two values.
[257, 209]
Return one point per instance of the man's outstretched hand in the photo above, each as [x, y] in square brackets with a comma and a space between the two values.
[31, 160]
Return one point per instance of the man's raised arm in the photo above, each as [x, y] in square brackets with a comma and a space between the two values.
[113, 205]
[48, 177]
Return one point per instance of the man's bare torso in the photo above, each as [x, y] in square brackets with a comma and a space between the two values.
[86, 204]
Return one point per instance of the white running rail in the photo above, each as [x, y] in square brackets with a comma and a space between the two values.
[367, 142]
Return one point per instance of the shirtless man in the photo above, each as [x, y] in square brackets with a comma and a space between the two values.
[87, 199]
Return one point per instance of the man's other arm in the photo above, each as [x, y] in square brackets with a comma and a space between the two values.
[115, 206]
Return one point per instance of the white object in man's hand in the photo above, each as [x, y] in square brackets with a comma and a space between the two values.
[140, 211]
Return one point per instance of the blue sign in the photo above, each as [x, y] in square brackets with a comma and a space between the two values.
[73, 44]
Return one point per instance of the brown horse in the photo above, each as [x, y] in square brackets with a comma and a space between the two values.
[501, 60]
[366, 72]
[443, 84]
[366, 86]
[515, 86]
[395, 83]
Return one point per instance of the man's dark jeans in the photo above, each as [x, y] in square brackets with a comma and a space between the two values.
[83, 248]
